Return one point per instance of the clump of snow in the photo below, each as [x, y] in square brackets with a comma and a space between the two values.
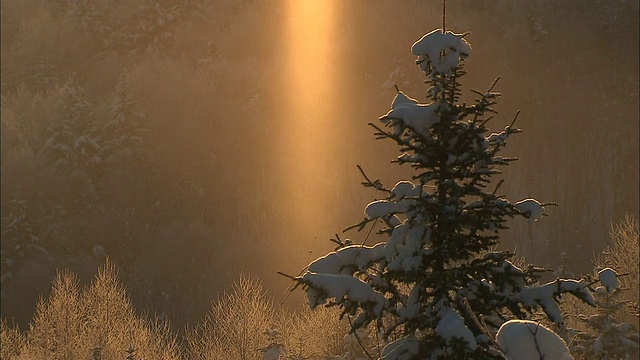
[609, 279]
[528, 340]
[402, 198]
[498, 138]
[545, 296]
[451, 326]
[439, 53]
[402, 250]
[381, 208]
[342, 287]
[402, 188]
[419, 117]
[343, 261]
[531, 208]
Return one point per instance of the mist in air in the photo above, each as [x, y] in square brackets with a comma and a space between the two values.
[249, 118]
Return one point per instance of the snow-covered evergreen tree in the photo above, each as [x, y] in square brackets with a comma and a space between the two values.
[20, 239]
[436, 288]
[610, 338]
[72, 147]
[153, 29]
[121, 136]
[93, 21]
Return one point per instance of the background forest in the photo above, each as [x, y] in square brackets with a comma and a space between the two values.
[150, 132]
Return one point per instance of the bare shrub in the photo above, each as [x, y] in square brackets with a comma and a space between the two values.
[240, 322]
[97, 321]
[234, 328]
[622, 256]
[111, 324]
[317, 334]
[12, 341]
[57, 325]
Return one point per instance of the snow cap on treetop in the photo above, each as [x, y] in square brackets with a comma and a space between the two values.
[440, 52]
[609, 279]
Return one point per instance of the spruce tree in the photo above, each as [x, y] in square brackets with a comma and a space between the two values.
[437, 288]
[608, 338]
[20, 240]
[122, 134]
[72, 148]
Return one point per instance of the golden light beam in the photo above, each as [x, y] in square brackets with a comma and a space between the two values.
[306, 135]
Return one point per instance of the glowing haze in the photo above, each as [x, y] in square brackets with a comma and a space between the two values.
[305, 137]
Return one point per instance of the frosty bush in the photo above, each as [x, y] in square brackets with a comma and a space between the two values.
[235, 326]
[435, 288]
[310, 334]
[622, 255]
[12, 341]
[609, 338]
[75, 323]
[610, 330]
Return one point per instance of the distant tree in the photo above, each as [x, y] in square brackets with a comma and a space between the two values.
[235, 327]
[437, 288]
[97, 321]
[608, 338]
[121, 136]
[20, 240]
[72, 148]
[148, 28]
[94, 22]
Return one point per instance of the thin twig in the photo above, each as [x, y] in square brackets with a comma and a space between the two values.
[514, 119]
[294, 284]
[444, 15]
[480, 326]
[497, 187]
[364, 241]
[286, 275]
[535, 339]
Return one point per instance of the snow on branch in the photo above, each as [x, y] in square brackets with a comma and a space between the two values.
[532, 209]
[322, 287]
[348, 260]
[609, 279]
[546, 296]
[407, 112]
[451, 326]
[439, 53]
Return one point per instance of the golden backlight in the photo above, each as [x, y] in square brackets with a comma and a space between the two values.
[306, 130]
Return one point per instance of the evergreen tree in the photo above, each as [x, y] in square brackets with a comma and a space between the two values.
[72, 147]
[611, 338]
[436, 288]
[20, 240]
[153, 26]
[121, 138]
[92, 21]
